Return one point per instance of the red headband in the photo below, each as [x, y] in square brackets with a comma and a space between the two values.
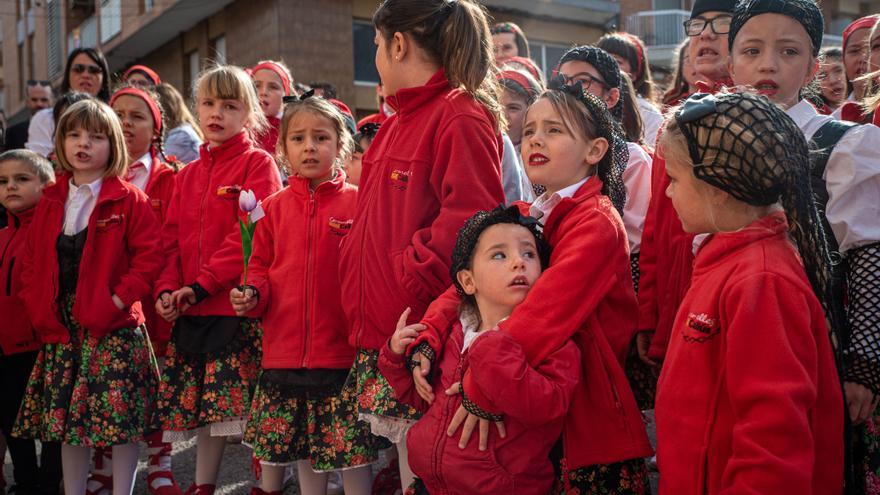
[269, 65]
[154, 108]
[863, 23]
[150, 73]
[518, 78]
[529, 64]
[641, 55]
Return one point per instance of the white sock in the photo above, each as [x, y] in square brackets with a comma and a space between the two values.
[125, 460]
[310, 482]
[75, 467]
[358, 481]
[209, 454]
[272, 477]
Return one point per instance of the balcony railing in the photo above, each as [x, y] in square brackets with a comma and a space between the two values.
[658, 27]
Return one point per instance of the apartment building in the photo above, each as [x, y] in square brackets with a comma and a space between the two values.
[328, 40]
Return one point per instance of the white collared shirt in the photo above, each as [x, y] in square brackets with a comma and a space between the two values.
[852, 178]
[651, 118]
[41, 133]
[544, 204]
[637, 180]
[79, 206]
[139, 171]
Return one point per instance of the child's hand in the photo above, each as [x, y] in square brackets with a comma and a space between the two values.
[405, 334]
[165, 307]
[243, 302]
[860, 401]
[183, 298]
[469, 421]
[420, 377]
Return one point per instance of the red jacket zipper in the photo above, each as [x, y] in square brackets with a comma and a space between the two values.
[309, 292]
[210, 166]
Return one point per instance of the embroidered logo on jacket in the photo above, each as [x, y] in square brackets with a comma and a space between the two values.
[400, 179]
[339, 227]
[105, 223]
[700, 328]
[229, 192]
[156, 204]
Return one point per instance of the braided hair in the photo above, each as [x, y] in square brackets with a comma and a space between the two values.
[586, 113]
[746, 146]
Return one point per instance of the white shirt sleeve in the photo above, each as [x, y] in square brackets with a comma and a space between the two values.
[852, 178]
[41, 133]
[637, 179]
[652, 120]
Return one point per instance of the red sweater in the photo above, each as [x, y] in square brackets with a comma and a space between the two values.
[665, 262]
[122, 256]
[749, 399]
[432, 165]
[295, 268]
[534, 402]
[160, 189]
[16, 334]
[603, 424]
[201, 237]
[268, 141]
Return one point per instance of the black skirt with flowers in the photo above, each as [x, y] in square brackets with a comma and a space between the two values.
[309, 415]
[209, 390]
[91, 392]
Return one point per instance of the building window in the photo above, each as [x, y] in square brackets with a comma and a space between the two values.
[53, 26]
[547, 55]
[218, 50]
[32, 56]
[111, 19]
[365, 53]
[191, 69]
[21, 76]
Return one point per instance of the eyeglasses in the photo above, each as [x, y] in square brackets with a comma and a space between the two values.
[584, 80]
[37, 82]
[80, 68]
[696, 26]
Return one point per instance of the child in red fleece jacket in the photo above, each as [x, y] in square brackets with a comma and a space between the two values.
[304, 412]
[498, 257]
[749, 400]
[213, 359]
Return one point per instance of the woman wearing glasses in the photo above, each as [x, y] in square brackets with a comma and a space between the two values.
[86, 72]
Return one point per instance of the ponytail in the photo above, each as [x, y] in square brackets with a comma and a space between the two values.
[630, 116]
[455, 33]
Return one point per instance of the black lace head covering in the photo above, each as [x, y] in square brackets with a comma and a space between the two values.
[805, 12]
[745, 145]
[610, 168]
[605, 65]
[469, 235]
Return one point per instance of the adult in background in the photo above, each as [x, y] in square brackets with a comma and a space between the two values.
[86, 71]
[39, 96]
[509, 41]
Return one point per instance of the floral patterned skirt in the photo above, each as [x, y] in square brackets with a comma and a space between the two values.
[621, 478]
[317, 423]
[210, 390]
[91, 392]
[376, 401]
[866, 456]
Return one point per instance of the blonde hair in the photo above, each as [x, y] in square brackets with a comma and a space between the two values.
[227, 82]
[322, 108]
[96, 117]
[872, 100]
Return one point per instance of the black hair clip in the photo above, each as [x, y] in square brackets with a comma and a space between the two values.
[294, 99]
[696, 107]
[369, 130]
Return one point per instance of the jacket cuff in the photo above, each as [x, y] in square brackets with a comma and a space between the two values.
[208, 284]
[391, 360]
[427, 353]
[425, 338]
[126, 296]
[473, 408]
[201, 293]
[475, 399]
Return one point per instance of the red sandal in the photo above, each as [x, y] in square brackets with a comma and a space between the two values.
[259, 491]
[105, 482]
[155, 459]
[205, 489]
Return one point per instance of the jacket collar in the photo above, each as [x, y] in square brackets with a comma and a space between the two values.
[589, 189]
[234, 146]
[300, 185]
[112, 189]
[720, 245]
[21, 219]
[408, 100]
[158, 169]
